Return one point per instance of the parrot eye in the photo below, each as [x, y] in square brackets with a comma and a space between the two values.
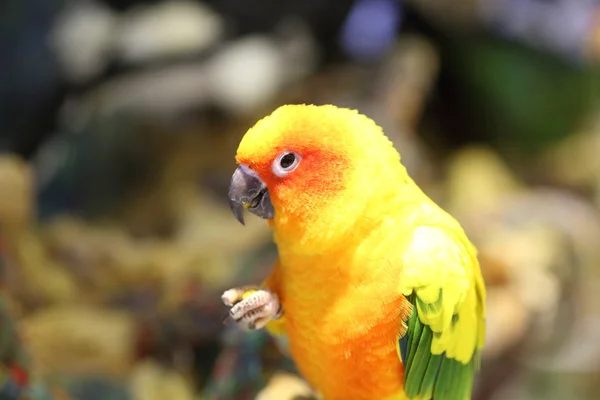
[285, 163]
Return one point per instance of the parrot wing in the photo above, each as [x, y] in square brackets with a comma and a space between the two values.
[441, 347]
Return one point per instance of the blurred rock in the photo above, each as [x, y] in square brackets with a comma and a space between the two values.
[573, 162]
[83, 39]
[240, 76]
[478, 180]
[507, 321]
[36, 278]
[566, 228]
[530, 253]
[408, 79]
[17, 208]
[285, 386]
[299, 47]
[108, 260]
[150, 381]
[104, 259]
[164, 91]
[168, 29]
[78, 340]
[206, 223]
[246, 73]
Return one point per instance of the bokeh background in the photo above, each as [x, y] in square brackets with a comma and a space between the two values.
[119, 120]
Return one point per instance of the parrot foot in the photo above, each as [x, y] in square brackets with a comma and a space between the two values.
[252, 308]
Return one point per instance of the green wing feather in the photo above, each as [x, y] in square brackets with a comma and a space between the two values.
[433, 376]
[445, 331]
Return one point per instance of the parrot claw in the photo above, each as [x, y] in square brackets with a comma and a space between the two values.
[252, 308]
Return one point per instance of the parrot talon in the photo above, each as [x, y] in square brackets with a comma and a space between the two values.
[230, 297]
[251, 308]
[279, 312]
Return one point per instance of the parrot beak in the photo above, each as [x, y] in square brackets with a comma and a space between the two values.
[248, 191]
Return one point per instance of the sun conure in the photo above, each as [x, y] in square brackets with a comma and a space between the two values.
[377, 290]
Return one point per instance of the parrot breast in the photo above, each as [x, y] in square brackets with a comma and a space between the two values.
[343, 330]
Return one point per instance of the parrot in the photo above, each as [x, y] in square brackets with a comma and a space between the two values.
[376, 293]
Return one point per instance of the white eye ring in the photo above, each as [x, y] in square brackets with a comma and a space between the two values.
[285, 163]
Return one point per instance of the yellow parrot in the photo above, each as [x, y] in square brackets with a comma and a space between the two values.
[377, 291]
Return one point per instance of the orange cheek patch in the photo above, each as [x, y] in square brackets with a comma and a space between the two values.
[319, 177]
[320, 173]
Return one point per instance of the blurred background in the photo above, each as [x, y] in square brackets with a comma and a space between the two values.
[119, 121]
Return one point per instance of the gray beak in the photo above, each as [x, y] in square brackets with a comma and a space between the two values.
[248, 191]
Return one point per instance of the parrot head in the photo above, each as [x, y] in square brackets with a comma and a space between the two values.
[310, 164]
